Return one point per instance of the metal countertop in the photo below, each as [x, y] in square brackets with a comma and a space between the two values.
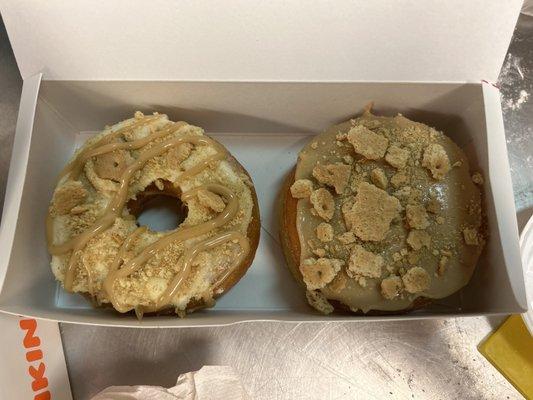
[427, 359]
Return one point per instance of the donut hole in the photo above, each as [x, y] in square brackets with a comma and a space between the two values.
[159, 210]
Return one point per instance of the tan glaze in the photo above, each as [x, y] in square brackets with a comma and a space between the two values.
[116, 205]
[181, 234]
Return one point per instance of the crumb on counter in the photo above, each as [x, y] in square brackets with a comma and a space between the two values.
[471, 236]
[417, 217]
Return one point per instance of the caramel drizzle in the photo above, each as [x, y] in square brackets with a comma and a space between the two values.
[81, 159]
[117, 203]
[133, 265]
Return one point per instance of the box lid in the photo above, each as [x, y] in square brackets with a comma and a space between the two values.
[380, 40]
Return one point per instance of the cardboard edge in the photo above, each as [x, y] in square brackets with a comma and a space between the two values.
[177, 323]
[17, 169]
[499, 170]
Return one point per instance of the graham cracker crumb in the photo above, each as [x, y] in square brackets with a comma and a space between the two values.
[324, 232]
[346, 238]
[176, 155]
[361, 281]
[399, 179]
[314, 145]
[436, 160]
[417, 217]
[335, 175]
[416, 280]
[378, 178]
[372, 212]
[318, 273]
[211, 200]
[442, 265]
[348, 159]
[391, 287]
[319, 252]
[397, 157]
[318, 301]
[396, 256]
[341, 136]
[364, 263]
[418, 239]
[323, 203]
[471, 236]
[367, 143]
[403, 192]
[413, 257]
[68, 196]
[338, 283]
[111, 165]
[302, 188]
[477, 178]
[433, 205]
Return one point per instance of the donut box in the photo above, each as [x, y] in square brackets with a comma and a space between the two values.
[82, 71]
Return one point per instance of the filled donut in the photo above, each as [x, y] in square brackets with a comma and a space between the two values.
[381, 215]
[99, 249]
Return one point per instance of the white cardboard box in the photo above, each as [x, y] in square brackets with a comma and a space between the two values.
[260, 79]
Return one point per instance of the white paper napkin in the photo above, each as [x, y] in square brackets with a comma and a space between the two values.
[209, 383]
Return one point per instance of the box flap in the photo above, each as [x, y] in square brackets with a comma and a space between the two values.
[33, 363]
[381, 40]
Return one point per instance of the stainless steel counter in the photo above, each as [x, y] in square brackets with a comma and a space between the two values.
[434, 359]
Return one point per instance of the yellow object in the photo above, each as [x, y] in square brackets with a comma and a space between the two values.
[510, 350]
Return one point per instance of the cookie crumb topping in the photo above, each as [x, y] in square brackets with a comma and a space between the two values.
[364, 263]
[323, 203]
[397, 156]
[317, 273]
[437, 161]
[324, 232]
[302, 188]
[378, 178]
[372, 212]
[367, 143]
[416, 280]
[391, 287]
[334, 175]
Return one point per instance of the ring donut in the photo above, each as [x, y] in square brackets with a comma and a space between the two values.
[99, 249]
[381, 216]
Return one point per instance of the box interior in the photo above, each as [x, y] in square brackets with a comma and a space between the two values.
[278, 122]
